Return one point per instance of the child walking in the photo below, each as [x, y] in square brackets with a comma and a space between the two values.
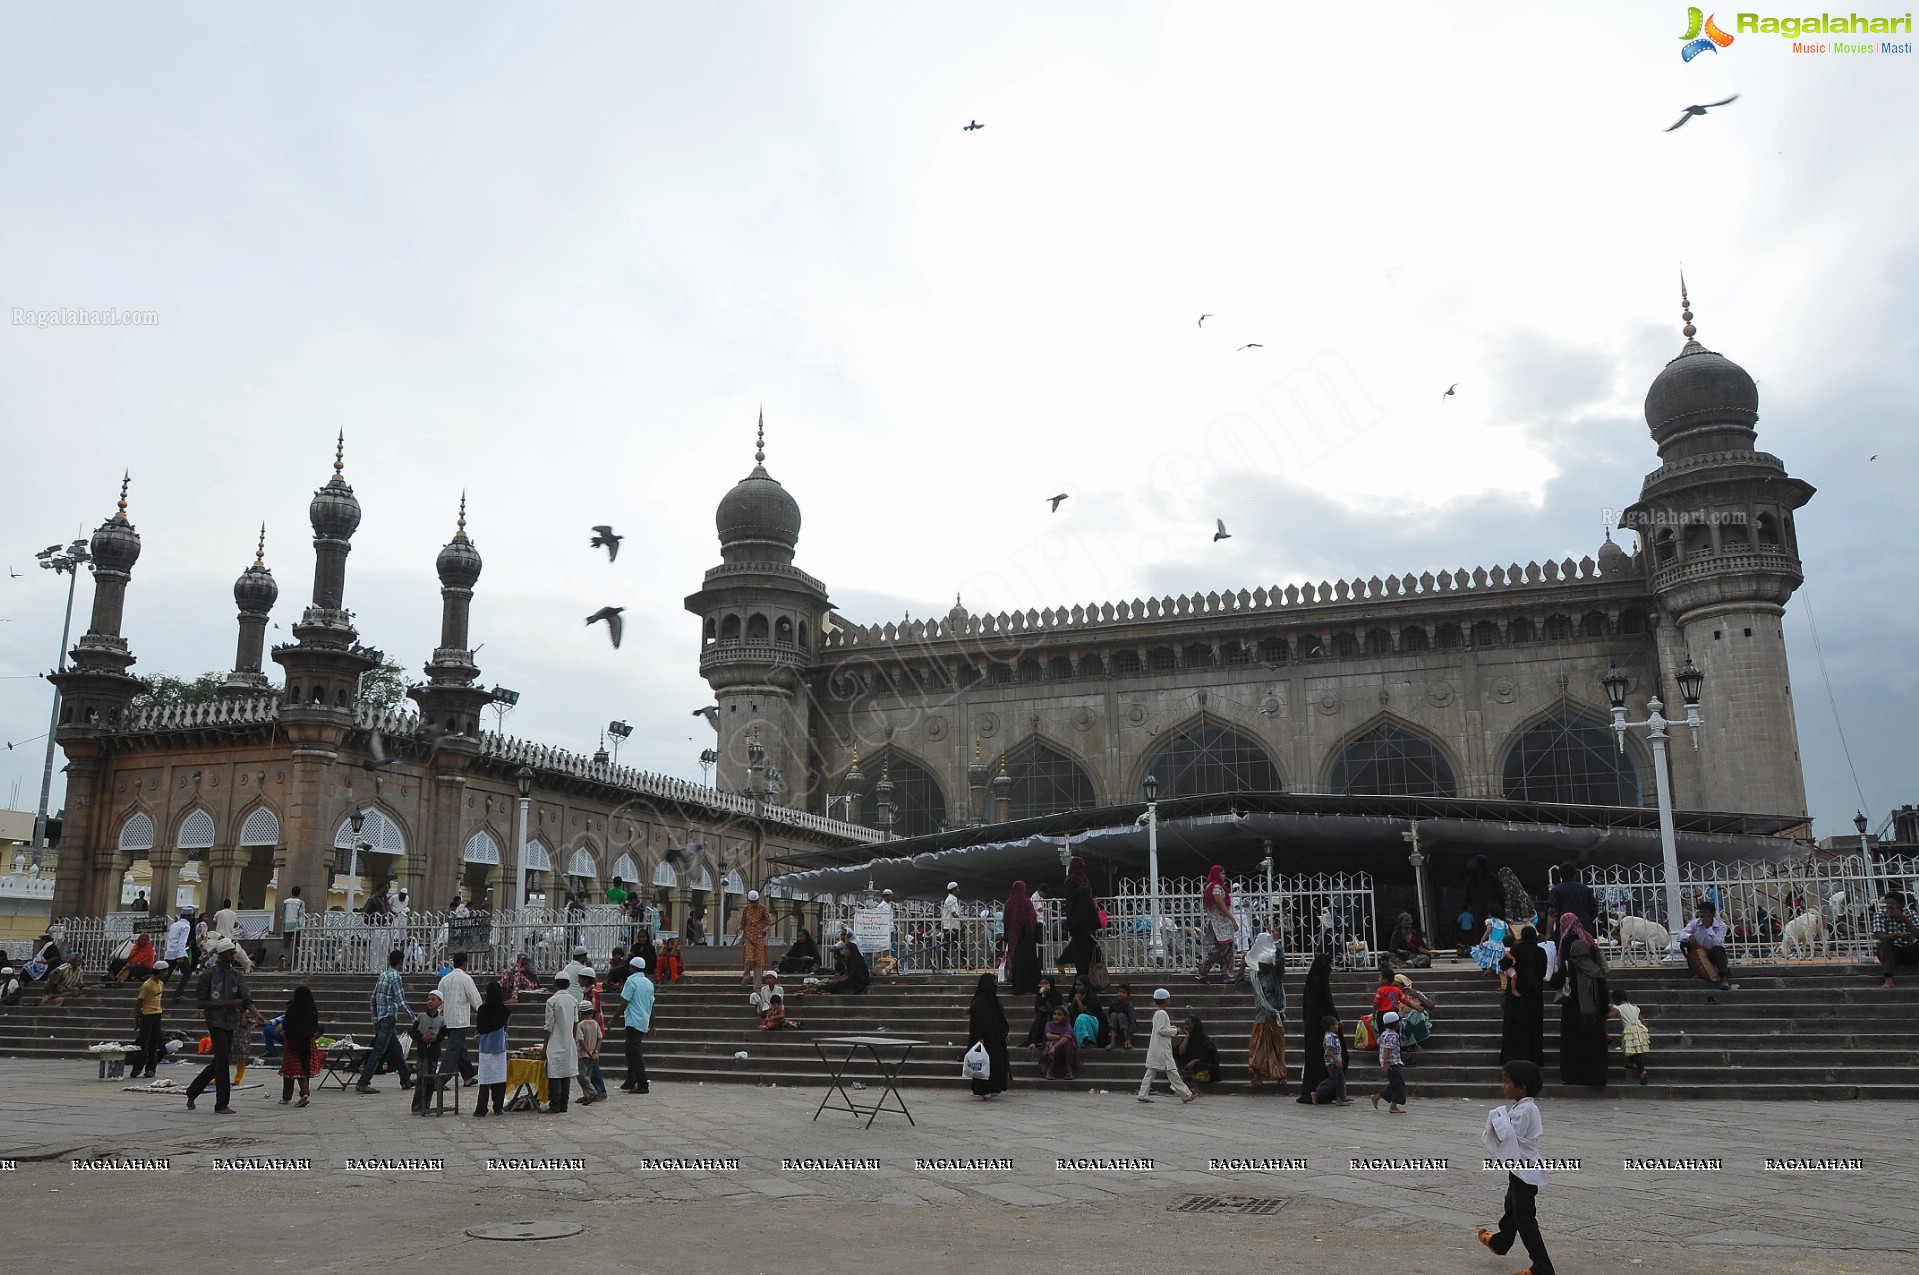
[1333, 1088]
[1392, 1064]
[1634, 1040]
[1159, 1052]
[1513, 1133]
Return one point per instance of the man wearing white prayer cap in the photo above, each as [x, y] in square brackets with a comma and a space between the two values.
[950, 927]
[756, 922]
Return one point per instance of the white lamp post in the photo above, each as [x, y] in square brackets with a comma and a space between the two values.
[516, 897]
[1865, 853]
[356, 821]
[65, 562]
[1690, 680]
[1156, 941]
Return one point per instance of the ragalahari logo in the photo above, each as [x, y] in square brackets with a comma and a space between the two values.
[1712, 41]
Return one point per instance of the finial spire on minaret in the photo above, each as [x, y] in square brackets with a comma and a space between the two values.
[1685, 308]
[759, 445]
[260, 554]
[126, 478]
[459, 530]
[339, 456]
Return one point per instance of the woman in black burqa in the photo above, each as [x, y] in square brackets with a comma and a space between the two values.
[1523, 1003]
[1082, 920]
[1582, 1014]
[1315, 1006]
[986, 1023]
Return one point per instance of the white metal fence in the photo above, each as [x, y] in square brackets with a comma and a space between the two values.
[334, 942]
[1808, 909]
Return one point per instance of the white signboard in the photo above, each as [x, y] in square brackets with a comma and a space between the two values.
[873, 930]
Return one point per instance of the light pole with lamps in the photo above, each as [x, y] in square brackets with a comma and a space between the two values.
[65, 561]
[1418, 860]
[620, 731]
[1690, 680]
[1156, 940]
[516, 898]
[1865, 853]
[356, 821]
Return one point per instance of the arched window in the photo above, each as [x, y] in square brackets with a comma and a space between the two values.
[1345, 646]
[783, 631]
[1559, 628]
[1047, 781]
[664, 876]
[1059, 668]
[1208, 758]
[1665, 545]
[581, 865]
[196, 832]
[1485, 633]
[756, 628]
[1311, 647]
[1197, 655]
[1390, 760]
[1002, 674]
[1594, 625]
[730, 629]
[537, 858]
[802, 634]
[261, 828]
[1029, 670]
[137, 833]
[1272, 650]
[1162, 659]
[1412, 638]
[1519, 630]
[1572, 758]
[626, 870]
[919, 806]
[1237, 653]
[481, 848]
[1696, 540]
[1450, 637]
[1125, 663]
[1768, 531]
[1633, 621]
[379, 832]
[1379, 642]
[1091, 666]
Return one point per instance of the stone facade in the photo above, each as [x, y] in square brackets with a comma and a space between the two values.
[1480, 683]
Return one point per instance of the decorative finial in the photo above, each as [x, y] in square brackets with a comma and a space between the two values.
[1685, 308]
[260, 554]
[339, 456]
[459, 530]
[856, 754]
[1002, 763]
[126, 478]
[976, 756]
[759, 446]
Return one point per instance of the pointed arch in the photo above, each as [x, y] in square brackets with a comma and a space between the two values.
[583, 863]
[919, 802]
[382, 832]
[537, 858]
[136, 834]
[1389, 756]
[481, 847]
[259, 827]
[1047, 779]
[196, 830]
[626, 870]
[1207, 755]
[664, 876]
[1569, 753]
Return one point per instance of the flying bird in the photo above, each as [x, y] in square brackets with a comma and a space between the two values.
[1056, 500]
[1701, 110]
[376, 745]
[973, 127]
[14, 574]
[1252, 345]
[603, 538]
[614, 625]
[1222, 533]
[1203, 318]
[711, 713]
[1450, 389]
[1874, 456]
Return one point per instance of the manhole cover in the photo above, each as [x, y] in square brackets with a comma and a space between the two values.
[220, 1144]
[1244, 1204]
[525, 1231]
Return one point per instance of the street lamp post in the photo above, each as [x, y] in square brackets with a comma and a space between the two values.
[355, 821]
[1418, 859]
[1156, 941]
[1690, 680]
[1865, 853]
[65, 561]
[516, 897]
[620, 731]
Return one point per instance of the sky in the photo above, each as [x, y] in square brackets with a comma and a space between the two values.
[558, 259]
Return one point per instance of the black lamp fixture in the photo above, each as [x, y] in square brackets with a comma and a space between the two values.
[1616, 683]
[357, 821]
[524, 778]
[1859, 822]
[619, 730]
[501, 695]
[1151, 788]
[1690, 679]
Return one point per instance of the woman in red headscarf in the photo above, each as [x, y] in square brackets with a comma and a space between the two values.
[1219, 924]
[1022, 942]
[1082, 919]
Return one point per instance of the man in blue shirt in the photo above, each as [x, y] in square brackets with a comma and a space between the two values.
[637, 992]
[387, 1004]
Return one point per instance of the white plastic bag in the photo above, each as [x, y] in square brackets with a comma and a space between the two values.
[976, 1065]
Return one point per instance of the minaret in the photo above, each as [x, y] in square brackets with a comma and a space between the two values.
[254, 593]
[762, 619]
[1721, 554]
[450, 700]
[96, 692]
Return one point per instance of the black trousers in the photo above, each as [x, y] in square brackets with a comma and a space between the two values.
[151, 1050]
[1521, 1219]
[216, 1073]
[558, 1089]
[1891, 955]
[635, 1060]
[1395, 1087]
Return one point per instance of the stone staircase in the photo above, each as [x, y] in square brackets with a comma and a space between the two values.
[1814, 1031]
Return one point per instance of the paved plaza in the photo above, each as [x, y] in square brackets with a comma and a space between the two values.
[863, 1197]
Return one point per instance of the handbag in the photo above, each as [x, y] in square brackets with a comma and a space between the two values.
[1363, 1035]
[976, 1065]
[1097, 974]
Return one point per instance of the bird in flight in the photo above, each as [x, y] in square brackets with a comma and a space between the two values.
[1203, 318]
[973, 127]
[1222, 533]
[12, 573]
[1874, 456]
[711, 713]
[1450, 389]
[614, 625]
[1701, 110]
[1056, 500]
[603, 538]
[376, 745]
[1252, 345]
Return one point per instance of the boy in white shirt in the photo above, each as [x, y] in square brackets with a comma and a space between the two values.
[1159, 1051]
[1513, 1134]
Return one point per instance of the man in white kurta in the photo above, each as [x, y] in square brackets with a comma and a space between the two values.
[562, 1054]
[1159, 1051]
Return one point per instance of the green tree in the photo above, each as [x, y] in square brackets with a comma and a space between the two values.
[383, 687]
[165, 689]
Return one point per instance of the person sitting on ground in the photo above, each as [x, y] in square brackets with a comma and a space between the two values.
[1198, 1056]
[1045, 1001]
[775, 1017]
[672, 963]
[1058, 1049]
[46, 955]
[853, 979]
[645, 949]
[802, 956]
[1895, 934]
[1119, 1017]
[1415, 1014]
[519, 977]
[64, 982]
[1704, 943]
[1408, 946]
[1086, 1004]
[768, 991]
[134, 965]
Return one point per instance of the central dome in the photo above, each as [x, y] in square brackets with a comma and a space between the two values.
[758, 508]
[1699, 388]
